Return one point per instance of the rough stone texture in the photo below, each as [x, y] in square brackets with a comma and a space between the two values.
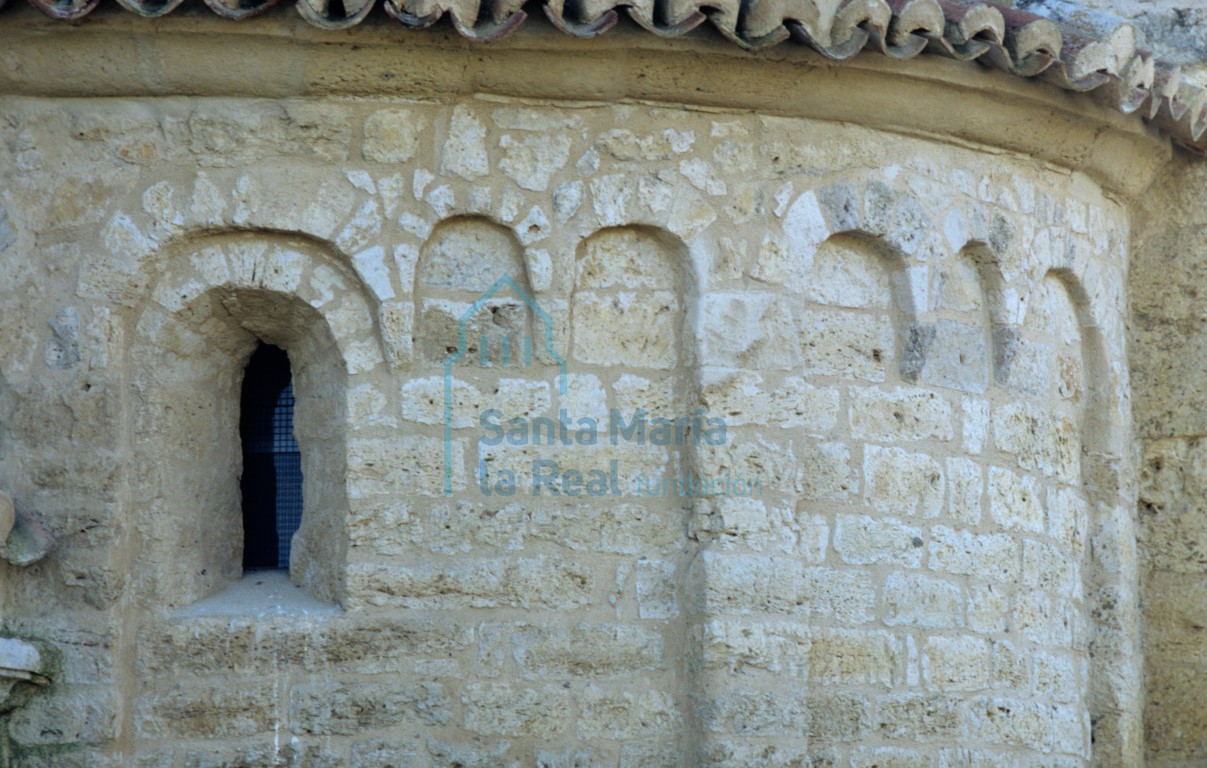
[1167, 336]
[918, 350]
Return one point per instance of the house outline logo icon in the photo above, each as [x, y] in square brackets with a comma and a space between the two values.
[526, 357]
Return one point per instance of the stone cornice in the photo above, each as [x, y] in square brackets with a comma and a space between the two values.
[277, 55]
[1107, 66]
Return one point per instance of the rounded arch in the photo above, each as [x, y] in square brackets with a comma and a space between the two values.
[460, 264]
[1108, 557]
[214, 301]
[612, 268]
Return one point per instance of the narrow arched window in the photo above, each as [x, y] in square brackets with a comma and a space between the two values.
[272, 468]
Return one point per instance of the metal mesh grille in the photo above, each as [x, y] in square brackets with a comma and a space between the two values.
[287, 461]
[272, 465]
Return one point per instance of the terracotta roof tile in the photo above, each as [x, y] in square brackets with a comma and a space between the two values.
[1109, 65]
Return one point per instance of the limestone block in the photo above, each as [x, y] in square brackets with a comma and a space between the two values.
[1012, 666]
[626, 145]
[380, 525]
[1014, 501]
[889, 757]
[409, 464]
[847, 273]
[899, 415]
[993, 556]
[337, 708]
[383, 753]
[750, 330]
[531, 160]
[741, 584]
[1171, 497]
[1010, 722]
[815, 470]
[1044, 619]
[844, 595]
[744, 646]
[961, 663]
[754, 713]
[534, 227]
[423, 401]
[625, 715]
[657, 589]
[781, 752]
[540, 582]
[444, 325]
[486, 754]
[585, 398]
[902, 483]
[845, 344]
[501, 709]
[572, 758]
[919, 716]
[376, 644]
[464, 152]
[463, 526]
[1071, 732]
[853, 657]
[587, 650]
[655, 397]
[1173, 716]
[1040, 441]
[638, 330]
[742, 397]
[470, 255]
[957, 358]
[552, 469]
[207, 710]
[1057, 677]
[359, 233]
[748, 522]
[838, 717]
[1050, 568]
[625, 528]
[567, 198]
[650, 755]
[78, 713]
[1174, 621]
[393, 135]
[965, 491]
[919, 600]
[866, 540]
[976, 424]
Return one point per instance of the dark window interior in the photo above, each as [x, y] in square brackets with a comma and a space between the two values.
[272, 465]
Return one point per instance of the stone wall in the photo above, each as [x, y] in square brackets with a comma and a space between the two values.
[1167, 350]
[917, 351]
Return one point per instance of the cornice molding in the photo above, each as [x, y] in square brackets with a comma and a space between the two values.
[1109, 67]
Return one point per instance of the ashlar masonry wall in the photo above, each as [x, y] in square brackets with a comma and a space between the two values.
[914, 351]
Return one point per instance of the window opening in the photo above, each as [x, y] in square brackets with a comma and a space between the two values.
[272, 464]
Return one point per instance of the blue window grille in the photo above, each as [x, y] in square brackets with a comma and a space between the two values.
[272, 463]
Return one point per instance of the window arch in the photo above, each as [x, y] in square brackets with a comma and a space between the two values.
[215, 306]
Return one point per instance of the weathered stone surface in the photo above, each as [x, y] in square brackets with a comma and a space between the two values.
[339, 708]
[903, 584]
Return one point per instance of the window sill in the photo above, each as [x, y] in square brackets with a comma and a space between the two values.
[260, 594]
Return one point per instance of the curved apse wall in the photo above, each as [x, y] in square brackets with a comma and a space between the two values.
[893, 365]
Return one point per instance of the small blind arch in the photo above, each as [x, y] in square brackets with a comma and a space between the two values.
[271, 484]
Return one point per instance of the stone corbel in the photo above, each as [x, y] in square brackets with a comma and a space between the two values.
[22, 541]
[25, 666]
